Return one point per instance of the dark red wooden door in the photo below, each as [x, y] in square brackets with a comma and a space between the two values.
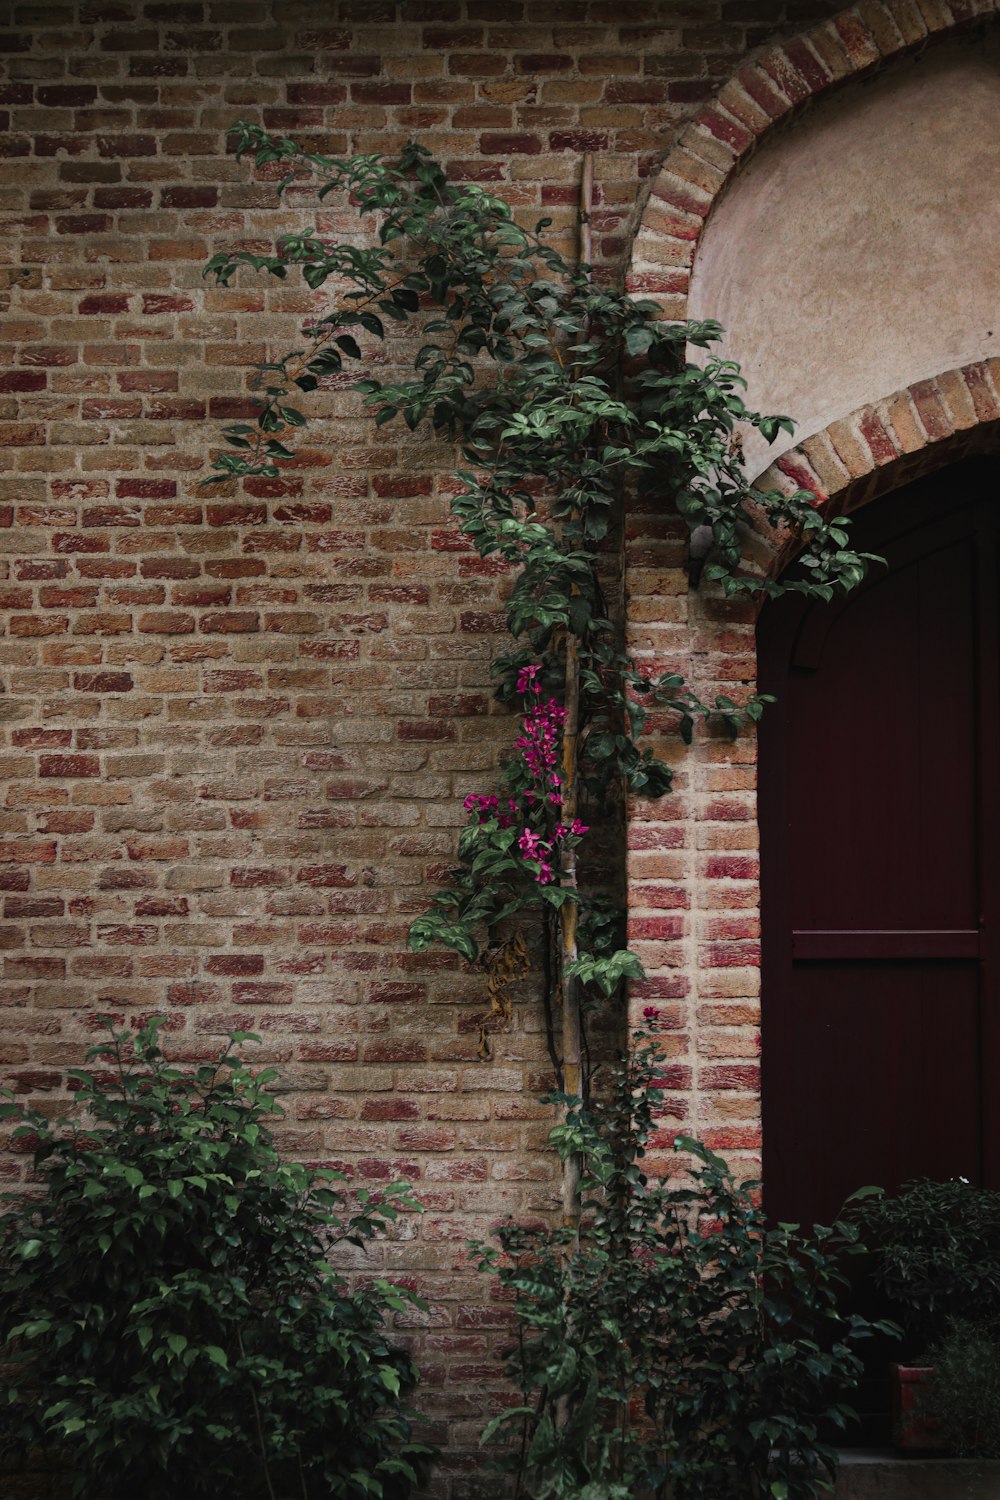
[880, 829]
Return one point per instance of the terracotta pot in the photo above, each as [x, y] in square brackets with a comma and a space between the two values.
[912, 1431]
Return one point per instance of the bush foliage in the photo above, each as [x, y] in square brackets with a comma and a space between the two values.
[168, 1315]
[675, 1344]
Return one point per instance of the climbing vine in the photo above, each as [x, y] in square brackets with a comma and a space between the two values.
[564, 396]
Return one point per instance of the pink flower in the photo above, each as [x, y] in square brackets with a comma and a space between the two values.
[485, 807]
[526, 679]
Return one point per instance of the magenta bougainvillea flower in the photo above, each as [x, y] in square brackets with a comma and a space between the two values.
[537, 782]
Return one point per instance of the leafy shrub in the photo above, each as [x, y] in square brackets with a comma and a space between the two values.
[167, 1309]
[936, 1251]
[962, 1396]
[676, 1344]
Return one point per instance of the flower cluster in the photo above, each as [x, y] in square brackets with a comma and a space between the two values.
[536, 781]
[486, 808]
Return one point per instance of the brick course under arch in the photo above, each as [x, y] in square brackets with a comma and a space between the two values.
[885, 444]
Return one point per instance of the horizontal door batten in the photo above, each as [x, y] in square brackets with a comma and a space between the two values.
[886, 943]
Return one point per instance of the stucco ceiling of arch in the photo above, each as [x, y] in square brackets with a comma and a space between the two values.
[857, 251]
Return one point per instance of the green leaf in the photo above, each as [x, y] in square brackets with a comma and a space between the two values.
[638, 338]
[497, 1423]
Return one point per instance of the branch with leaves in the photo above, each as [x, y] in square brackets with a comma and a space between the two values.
[565, 396]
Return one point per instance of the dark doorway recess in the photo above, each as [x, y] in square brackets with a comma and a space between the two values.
[880, 859]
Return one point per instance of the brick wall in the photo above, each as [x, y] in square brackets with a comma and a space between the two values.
[237, 727]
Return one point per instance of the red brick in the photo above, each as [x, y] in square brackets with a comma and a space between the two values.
[201, 595]
[83, 597]
[166, 622]
[103, 682]
[527, 63]
[118, 878]
[381, 93]
[110, 515]
[327, 875]
[16, 598]
[75, 223]
[147, 380]
[109, 408]
[250, 992]
[725, 129]
[38, 739]
[145, 489]
[38, 906]
[104, 302]
[122, 197]
[118, 146]
[807, 65]
[732, 1076]
[235, 964]
[124, 936]
[254, 879]
[23, 380]
[188, 197]
[390, 1109]
[235, 514]
[732, 867]
[161, 906]
[69, 765]
[230, 622]
[578, 140]
[29, 851]
[512, 144]
[424, 729]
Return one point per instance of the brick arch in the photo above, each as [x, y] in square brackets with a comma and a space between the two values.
[890, 442]
[764, 95]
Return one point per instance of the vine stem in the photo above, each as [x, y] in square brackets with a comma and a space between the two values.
[258, 1424]
[572, 1028]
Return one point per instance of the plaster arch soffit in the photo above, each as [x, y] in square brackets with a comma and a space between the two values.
[763, 95]
[884, 445]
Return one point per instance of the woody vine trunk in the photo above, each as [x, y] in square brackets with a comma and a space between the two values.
[572, 1027]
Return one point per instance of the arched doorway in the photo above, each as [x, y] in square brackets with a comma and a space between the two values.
[880, 858]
